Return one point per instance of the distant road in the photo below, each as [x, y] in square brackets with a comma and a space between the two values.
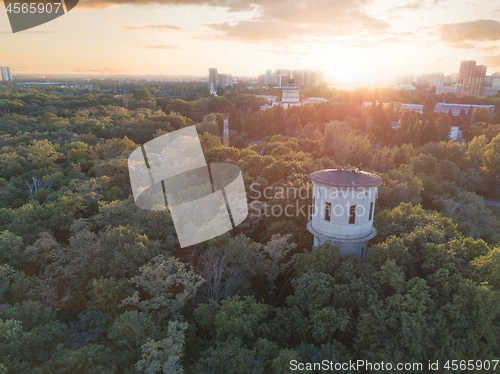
[491, 202]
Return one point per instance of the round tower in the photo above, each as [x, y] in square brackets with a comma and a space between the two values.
[343, 209]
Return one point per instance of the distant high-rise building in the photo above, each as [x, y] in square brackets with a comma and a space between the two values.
[496, 81]
[222, 80]
[283, 80]
[422, 80]
[261, 79]
[5, 73]
[436, 79]
[212, 78]
[405, 79]
[318, 78]
[276, 76]
[430, 80]
[269, 78]
[472, 78]
[298, 76]
[492, 85]
[301, 77]
[308, 77]
[447, 89]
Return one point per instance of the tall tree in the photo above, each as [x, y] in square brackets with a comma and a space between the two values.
[339, 140]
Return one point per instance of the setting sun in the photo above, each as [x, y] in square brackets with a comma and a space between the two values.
[249, 186]
[346, 74]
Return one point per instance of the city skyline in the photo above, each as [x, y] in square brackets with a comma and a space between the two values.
[366, 42]
[488, 85]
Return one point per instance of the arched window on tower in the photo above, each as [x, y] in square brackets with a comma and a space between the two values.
[352, 215]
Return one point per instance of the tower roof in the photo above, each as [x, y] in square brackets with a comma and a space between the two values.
[339, 178]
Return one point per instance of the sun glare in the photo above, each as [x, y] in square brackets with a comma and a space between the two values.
[345, 74]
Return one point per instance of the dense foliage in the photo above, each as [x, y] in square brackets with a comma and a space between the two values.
[89, 283]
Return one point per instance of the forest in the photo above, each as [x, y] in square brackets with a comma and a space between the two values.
[89, 283]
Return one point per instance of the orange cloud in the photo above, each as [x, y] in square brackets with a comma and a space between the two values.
[233, 5]
[279, 21]
[418, 4]
[490, 50]
[462, 45]
[105, 70]
[254, 31]
[492, 61]
[276, 20]
[367, 43]
[154, 27]
[479, 30]
[162, 46]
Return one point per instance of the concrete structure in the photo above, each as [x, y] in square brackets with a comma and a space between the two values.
[472, 78]
[224, 80]
[489, 91]
[456, 108]
[495, 81]
[402, 80]
[277, 73]
[270, 98]
[343, 209]
[446, 89]
[216, 80]
[290, 95]
[212, 89]
[283, 80]
[414, 107]
[301, 77]
[492, 85]
[430, 80]
[317, 78]
[451, 79]
[313, 100]
[439, 108]
[269, 78]
[212, 78]
[406, 87]
[436, 79]
[5, 74]
[456, 135]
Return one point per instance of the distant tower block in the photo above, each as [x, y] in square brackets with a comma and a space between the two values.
[5, 74]
[343, 209]
[213, 79]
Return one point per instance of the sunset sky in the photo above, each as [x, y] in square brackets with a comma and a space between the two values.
[363, 40]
